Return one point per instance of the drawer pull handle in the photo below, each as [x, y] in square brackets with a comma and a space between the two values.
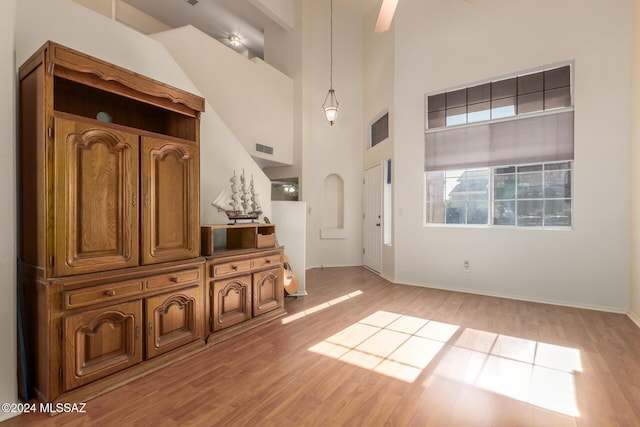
[268, 261]
[110, 293]
[234, 267]
[175, 279]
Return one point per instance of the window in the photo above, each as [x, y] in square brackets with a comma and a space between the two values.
[458, 196]
[501, 153]
[379, 130]
[534, 195]
[387, 205]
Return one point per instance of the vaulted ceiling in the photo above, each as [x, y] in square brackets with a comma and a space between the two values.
[223, 18]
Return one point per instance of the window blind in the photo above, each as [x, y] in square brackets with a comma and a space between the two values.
[543, 138]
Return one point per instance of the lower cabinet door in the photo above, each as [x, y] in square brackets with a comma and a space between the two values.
[231, 302]
[100, 342]
[173, 320]
[268, 291]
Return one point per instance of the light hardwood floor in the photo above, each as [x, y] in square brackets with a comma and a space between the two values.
[360, 351]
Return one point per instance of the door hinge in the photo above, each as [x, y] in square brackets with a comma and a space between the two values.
[50, 131]
[137, 332]
[210, 292]
[210, 322]
[362, 251]
[51, 261]
[60, 375]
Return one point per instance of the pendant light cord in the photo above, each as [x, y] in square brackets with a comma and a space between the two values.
[331, 48]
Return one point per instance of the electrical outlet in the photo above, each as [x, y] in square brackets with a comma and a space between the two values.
[466, 267]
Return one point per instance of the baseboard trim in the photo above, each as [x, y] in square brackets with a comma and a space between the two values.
[634, 318]
[520, 298]
[334, 266]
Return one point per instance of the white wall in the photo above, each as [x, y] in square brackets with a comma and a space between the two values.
[220, 155]
[280, 11]
[284, 50]
[126, 14]
[338, 148]
[290, 219]
[634, 295]
[444, 44]
[77, 27]
[8, 371]
[232, 85]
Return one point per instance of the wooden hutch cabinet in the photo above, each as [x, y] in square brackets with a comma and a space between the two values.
[109, 239]
[244, 276]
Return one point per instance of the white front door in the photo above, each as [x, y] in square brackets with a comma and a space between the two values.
[372, 218]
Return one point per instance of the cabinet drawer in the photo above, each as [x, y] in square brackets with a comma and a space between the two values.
[229, 268]
[101, 293]
[169, 280]
[267, 261]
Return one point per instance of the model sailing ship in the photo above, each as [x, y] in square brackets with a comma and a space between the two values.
[237, 201]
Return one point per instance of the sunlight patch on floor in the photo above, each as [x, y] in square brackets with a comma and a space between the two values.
[529, 371]
[402, 347]
[319, 307]
[388, 343]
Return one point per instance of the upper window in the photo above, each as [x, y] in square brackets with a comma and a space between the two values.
[522, 94]
[379, 130]
[508, 166]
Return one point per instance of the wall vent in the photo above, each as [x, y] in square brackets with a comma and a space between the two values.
[264, 149]
[192, 2]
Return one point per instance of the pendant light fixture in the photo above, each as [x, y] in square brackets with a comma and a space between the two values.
[331, 104]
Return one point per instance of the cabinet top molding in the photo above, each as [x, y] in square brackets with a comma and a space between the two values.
[73, 65]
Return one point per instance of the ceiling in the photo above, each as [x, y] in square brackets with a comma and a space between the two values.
[222, 18]
[218, 18]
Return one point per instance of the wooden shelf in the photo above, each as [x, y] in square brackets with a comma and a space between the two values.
[216, 238]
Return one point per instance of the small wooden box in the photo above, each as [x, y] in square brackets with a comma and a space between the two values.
[266, 240]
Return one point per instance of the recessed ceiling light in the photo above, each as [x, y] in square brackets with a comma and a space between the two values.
[234, 40]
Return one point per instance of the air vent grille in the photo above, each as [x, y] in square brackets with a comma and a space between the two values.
[192, 2]
[264, 149]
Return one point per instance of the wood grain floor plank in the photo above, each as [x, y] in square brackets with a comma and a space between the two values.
[448, 359]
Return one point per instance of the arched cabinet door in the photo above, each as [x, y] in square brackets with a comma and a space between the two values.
[170, 202]
[173, 320]
[268, 291]
[101, 342]
[231, 302]
[96, 198]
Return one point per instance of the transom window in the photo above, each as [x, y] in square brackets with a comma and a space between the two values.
[528, 93]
